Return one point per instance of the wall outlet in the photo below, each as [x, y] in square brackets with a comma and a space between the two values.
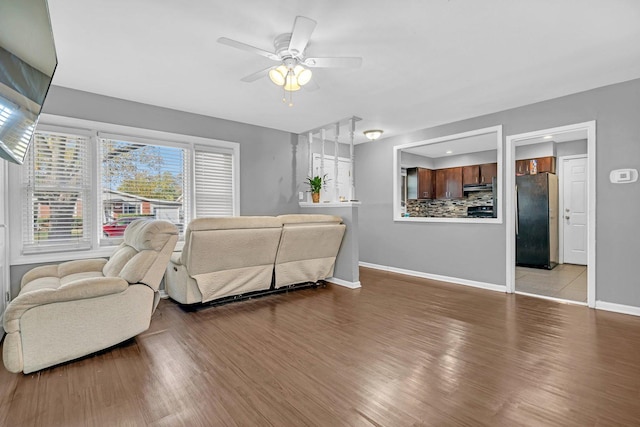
[301, 195]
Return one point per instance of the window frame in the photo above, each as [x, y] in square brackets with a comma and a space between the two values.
[95, 131]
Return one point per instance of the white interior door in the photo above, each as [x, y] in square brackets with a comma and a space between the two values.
[574, 217]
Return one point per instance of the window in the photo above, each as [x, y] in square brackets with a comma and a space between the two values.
[140, 181]
[80, 189]
[214, 184]
[56, 188]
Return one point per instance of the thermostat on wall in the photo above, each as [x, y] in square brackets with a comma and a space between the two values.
[623, 176]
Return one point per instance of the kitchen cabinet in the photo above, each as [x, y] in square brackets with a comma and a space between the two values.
[420, 183]
[542, 164]
[479, 174]
[488, 171]
[449, 183]
[426, 183]
[546, 164]
[471, 174]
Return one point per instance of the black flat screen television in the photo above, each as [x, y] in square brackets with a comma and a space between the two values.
[27, 63]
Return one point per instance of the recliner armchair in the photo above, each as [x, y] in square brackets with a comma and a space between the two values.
[76, 308]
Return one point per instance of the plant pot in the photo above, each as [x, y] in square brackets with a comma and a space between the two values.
[315, 197]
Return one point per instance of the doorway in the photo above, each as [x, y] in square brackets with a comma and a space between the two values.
[573, 278]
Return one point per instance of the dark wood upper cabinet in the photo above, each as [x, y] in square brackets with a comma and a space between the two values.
[522, 167]
[542, 164]
[470, 174]
[546, 164]
[420, 183]
[488, 171]
[449, 183]
[426, 183]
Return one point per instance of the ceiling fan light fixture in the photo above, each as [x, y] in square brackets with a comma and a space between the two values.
[291, 84]
[373, 134]
[303, 75]
[277, 75]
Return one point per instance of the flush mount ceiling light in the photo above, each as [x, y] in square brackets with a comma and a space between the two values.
[373, 134]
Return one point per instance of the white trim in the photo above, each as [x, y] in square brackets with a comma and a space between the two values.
[397, 168]
[152, 136]
[329, 204]
[456, 280]
[449, 220]
[618, 308]
[346, 284]
[94, 130]
[560, 300]
[510, 184]
[561, 176]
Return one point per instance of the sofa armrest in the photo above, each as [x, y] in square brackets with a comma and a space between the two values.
[38, 272]
[64, 269]
[78, 289]
[81, 266]
[176, 258]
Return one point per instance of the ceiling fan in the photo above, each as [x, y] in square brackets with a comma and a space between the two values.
[290, 48]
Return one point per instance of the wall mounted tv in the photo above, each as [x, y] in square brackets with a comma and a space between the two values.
[27, 63]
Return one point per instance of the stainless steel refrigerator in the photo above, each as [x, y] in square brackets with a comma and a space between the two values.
[537, 220]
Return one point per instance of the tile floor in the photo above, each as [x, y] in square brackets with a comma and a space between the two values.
[566, 281]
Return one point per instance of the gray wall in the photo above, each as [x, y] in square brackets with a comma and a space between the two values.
[477, 251]
[531, 151]
[272, 165]
[571, 148]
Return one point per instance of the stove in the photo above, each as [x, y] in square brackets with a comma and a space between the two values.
[480, 212]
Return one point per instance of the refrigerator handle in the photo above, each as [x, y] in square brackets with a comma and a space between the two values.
[516, 206]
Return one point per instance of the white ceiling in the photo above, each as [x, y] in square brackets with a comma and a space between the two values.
[454, 147]
[425, 63]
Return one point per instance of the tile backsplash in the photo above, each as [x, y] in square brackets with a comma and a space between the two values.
[449, 208]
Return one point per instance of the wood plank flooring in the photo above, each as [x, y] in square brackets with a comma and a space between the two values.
[400, 351]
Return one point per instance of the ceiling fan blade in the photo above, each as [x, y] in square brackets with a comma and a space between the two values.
[347, 62]
[302, 29]
[257, 75]
[248, 48]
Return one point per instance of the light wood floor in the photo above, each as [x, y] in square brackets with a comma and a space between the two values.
[565, 281]
[401, 351]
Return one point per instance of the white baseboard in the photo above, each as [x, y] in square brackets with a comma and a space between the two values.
[456, 280]
[618, 308]
[340, 282]
[163, 294]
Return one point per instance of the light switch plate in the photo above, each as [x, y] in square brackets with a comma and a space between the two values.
[623, 176]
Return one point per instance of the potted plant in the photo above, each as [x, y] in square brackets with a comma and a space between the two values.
[315, 185]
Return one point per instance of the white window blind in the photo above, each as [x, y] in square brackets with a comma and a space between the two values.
[213, 184]
[140, 181]
[56, 189]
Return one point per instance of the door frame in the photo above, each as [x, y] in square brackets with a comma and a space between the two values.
[510, 185]
[561, 195]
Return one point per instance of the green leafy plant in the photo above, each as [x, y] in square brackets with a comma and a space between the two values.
[317, 183]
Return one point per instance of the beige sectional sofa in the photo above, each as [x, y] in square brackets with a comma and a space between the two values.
[76, 308]
[227, 257]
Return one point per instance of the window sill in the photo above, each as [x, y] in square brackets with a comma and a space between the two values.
[104, 252]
